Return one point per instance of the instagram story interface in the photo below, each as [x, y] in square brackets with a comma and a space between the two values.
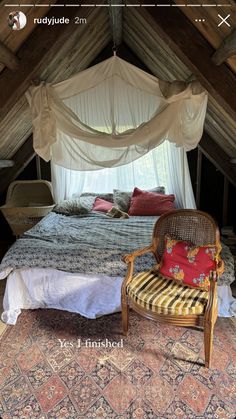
[117, 208]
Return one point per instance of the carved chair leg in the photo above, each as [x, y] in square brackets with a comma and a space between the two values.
[125, 317]
[208, 342]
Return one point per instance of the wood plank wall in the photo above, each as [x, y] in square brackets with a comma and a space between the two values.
[213, 193]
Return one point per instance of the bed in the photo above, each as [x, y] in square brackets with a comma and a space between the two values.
[74, 263]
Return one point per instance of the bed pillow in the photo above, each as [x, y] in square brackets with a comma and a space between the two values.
[71, 207]
[102, 205]
[87, 199]
[150, 203]
[117, 213]
[122, 199]
[189, 264]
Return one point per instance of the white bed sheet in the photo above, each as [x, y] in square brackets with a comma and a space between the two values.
[90, 295]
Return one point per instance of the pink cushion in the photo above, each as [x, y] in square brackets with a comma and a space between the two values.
[149, 203]
[102, 205]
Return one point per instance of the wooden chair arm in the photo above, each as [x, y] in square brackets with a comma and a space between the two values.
[130, 257]
[211, 308]
[220, 267]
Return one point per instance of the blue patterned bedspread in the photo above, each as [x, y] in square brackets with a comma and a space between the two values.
[92, 243]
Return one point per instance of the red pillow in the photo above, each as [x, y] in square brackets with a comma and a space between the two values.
[102, 205]
[189, 264]
[150, 203]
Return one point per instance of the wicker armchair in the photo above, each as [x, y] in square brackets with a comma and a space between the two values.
[193, 226]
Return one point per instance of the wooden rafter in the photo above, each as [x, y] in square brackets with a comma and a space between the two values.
[61, 60]
[199, 178]
[36, 54]
[21, 159]
[226, 50]
[8, 58]
[6, 163]
[218, 157]
[26, 152]
[195, 52]
[115, 13]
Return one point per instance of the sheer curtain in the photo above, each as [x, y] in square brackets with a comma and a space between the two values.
[166, 165]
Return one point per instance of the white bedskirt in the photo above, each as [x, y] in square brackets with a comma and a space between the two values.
[91, 296]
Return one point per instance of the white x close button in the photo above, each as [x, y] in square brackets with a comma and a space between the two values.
[224, 20]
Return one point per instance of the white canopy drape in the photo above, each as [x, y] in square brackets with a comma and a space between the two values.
[112, 114]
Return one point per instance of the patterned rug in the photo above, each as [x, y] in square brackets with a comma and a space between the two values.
[2, 290]
[50, 368]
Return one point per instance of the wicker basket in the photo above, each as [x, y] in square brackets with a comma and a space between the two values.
[27, 203]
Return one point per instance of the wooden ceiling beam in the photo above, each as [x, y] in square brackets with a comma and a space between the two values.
[6, 163]
[8, 58]
[195, 52]
[115, 14]
[226, 50]
[37, 52]
[21, 159]
[218, 157]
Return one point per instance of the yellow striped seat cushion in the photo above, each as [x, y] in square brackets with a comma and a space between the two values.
[164, 296]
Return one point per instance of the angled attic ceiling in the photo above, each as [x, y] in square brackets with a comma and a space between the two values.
[171, 45]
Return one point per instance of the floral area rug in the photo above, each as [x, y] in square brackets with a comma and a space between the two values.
[51, 366]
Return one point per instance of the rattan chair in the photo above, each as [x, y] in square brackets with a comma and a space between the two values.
[193, 226]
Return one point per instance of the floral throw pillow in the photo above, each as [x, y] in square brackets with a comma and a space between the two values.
[189, 264]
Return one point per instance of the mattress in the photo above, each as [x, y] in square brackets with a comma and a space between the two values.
[75, 264]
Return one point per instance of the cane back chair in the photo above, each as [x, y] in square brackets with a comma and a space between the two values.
[200, 229]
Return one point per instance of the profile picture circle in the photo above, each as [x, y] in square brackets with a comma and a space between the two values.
[17, 21]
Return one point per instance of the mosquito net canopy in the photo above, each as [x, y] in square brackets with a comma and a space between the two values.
[112, 114]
